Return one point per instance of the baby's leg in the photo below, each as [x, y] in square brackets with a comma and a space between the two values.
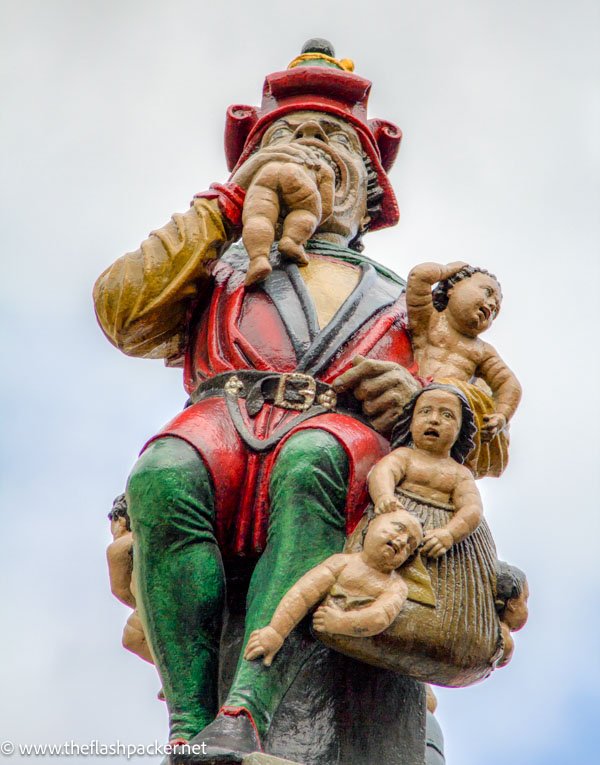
[301, 195]
[134, 638]
[260, 214]
[298, 227]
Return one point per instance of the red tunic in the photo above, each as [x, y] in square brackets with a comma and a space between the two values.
[264, 329]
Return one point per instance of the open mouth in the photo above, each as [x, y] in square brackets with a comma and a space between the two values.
[432, 432]
[485, 312]
[328, 155]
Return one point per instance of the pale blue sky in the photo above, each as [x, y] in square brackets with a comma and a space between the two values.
[112, 117]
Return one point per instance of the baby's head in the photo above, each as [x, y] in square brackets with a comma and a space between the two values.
[437, 418]
[512, 592]
[391, 538]
[119, 517]
[472, 298]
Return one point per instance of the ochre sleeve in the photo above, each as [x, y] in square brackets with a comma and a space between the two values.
[142, 300]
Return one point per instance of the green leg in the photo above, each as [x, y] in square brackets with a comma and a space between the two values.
[179, 576]
[307, 524]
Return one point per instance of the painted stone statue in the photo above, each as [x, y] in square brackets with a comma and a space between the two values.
[298, 362]
[362, 591]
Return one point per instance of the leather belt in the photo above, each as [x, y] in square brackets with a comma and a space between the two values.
[294, 391]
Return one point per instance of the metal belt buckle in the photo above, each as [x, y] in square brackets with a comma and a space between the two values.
[308, 392]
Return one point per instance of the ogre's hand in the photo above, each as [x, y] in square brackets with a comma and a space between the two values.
[265, 642]
[493, 424]
[384, 388]
[292, 177]
[296, 154]
[327, 619]
[436, 543]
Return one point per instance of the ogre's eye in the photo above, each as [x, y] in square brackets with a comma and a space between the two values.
[280, 132]
[341, 138]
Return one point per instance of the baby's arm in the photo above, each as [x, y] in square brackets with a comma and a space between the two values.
[466, 518]
[364, 622]
[294, 605]
[120, 567]
[505, 387]
[419, 302]
[384, 478]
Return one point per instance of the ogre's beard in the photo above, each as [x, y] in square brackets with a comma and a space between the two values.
[350, 198]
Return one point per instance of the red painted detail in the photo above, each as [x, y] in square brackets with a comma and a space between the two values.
[197, 367]
[230, 197]
[207, 427]
[239, 121]
[261, 325]
[387, 137]
[241, 477]
[325, 89]
[242, 329]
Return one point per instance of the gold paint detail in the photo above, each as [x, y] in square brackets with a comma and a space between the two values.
[329, 284]
[487, 458]
[142, 300]
[308, 393]
[328, 400]
[346, 64]
[234, 386]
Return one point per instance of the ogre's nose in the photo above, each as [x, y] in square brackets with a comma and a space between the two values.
[310, 129]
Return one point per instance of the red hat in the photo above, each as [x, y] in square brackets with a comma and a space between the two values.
[316, 81]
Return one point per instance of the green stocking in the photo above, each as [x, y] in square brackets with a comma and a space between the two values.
[306, 525]
[180, 579]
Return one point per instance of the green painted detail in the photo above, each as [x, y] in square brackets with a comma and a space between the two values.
[306, 525]
[180, 577]
[351, 256]
[320, 62]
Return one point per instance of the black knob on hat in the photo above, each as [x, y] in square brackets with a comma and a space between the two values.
[319, 45]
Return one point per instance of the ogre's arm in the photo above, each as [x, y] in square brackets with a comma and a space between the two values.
[141, 301]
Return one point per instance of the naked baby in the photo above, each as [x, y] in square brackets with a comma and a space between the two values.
[425, 474]
[363, 592]
[119, 556]
[445, 326]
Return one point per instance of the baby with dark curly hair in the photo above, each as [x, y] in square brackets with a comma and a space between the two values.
[424, 470]
[445, 325]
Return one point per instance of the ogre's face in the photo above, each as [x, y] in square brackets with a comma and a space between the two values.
[336, 143]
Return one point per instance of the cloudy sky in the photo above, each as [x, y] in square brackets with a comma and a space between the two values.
[112, 117]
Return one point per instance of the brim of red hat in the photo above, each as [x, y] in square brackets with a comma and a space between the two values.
[390, 213]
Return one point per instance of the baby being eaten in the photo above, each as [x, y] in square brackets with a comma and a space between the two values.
[363, 592]
[306, 193]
